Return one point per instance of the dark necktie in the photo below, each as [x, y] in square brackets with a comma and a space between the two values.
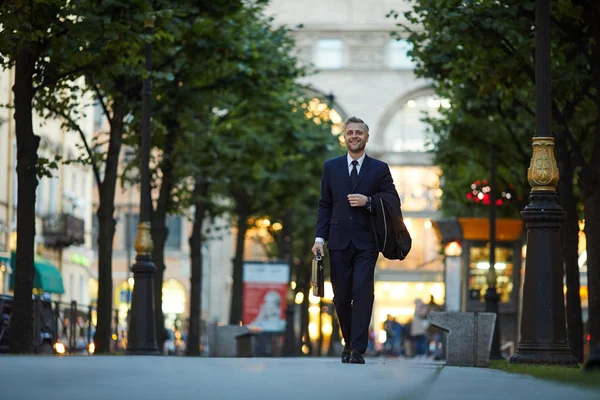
[354, 174]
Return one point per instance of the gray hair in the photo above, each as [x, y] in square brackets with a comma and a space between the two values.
[355, 120]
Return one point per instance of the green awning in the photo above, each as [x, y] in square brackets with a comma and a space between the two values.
[47, 278]
[5, 257]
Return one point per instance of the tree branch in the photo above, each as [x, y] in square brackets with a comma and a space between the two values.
[84, 140]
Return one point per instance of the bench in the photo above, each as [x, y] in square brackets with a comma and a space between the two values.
[470, 336]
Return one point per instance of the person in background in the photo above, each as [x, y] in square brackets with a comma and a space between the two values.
[419, 328]
[398, 339]
[435, 332]
[390, 335]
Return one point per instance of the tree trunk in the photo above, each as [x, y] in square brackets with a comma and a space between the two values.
[237, 292]
[570, 246]
[160, 232]
[106, 230]
[27, 147]
[196, 239]
[591, 192]
[592, 233]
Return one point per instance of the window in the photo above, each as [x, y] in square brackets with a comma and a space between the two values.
[71, 286]
[329, 54]
[174, 238]
[52, 196]
[39, 196]
[130, 230]
[98, 116]
[81, 290]
[397, 55]
[480, 266]
[406, 131]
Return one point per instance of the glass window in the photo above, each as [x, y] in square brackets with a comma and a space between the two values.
[418, 187]
[406, 131]
[98, 116]
[478, 272]
[329, 54]
[39, 196]
[397, 55]
[174, 238]
[130, 230]
[52, 196]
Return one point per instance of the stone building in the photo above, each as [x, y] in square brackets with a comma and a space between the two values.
[368, 74]
[63, 203]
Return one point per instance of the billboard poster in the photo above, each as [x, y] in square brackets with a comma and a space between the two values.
[265, 293]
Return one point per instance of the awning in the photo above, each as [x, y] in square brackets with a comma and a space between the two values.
[47, 278]
[5, 260]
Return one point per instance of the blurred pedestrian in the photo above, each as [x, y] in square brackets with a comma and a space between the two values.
[435, 333]
[419, 328]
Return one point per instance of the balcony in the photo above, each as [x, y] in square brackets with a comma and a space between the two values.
[63, 230]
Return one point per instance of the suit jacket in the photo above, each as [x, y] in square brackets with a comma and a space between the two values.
[387, 225]
[339, 223]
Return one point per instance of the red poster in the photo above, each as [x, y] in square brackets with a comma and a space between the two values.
[265, 292]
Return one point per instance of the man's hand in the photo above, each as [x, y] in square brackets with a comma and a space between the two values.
[357, 200]
[318, 246]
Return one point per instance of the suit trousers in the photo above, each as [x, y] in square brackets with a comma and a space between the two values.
[352, 278]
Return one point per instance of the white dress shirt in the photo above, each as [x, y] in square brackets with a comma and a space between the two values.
[349, 160]
[360, 163]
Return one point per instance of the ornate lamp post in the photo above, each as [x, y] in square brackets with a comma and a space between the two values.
[141, 335]
[543, 332]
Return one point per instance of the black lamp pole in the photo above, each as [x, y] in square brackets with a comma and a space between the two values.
[141, 335]
[543, 328]
[491, 294]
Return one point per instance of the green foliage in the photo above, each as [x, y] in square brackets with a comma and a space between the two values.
[480, 56]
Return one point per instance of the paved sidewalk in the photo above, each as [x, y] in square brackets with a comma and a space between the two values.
[175, 378]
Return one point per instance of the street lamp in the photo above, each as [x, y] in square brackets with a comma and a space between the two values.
[141, 334]
[543, 333]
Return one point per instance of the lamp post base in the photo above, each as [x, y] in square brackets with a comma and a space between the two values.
[548, 356]
[491, 305]
[141, 335]
[543, 327]
[289, 349]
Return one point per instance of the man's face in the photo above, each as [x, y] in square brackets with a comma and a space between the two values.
[356, 137]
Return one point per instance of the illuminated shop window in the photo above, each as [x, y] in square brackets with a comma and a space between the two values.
[479, 268]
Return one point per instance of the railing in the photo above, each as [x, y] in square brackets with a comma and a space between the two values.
[63, 230]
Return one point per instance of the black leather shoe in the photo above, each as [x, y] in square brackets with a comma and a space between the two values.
[356, 358]
[346, 355]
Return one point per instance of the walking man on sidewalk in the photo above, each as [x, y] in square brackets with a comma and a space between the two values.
[347, 184]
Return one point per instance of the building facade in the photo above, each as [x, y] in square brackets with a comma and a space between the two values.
[367, 73]
[63, 202]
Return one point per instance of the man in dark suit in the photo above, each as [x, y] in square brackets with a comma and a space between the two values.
[347, 183]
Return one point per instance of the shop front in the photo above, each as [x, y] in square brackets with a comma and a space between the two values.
[5, 271]
[467, 255]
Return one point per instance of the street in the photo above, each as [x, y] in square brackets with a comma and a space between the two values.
[165, 378]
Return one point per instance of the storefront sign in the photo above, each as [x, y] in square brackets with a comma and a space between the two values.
[265, 292]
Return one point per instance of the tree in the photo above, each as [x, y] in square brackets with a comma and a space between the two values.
[110, 64]
[31, 32]
[481, 57]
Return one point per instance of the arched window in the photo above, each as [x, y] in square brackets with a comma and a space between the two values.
[406, 131]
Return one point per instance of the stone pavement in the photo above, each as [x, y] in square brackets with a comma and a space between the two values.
[175, 378]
